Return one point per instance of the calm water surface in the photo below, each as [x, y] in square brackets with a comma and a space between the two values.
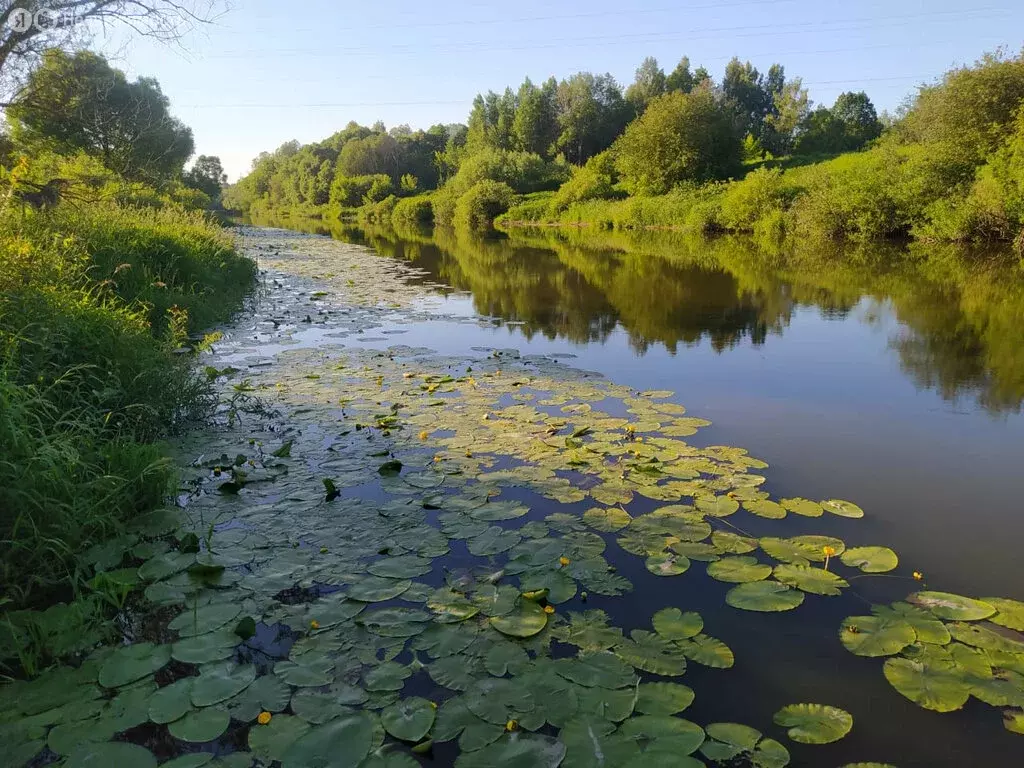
[897, 387]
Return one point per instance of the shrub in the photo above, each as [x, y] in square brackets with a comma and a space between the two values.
[485, 200]
[761, 193]
[595, 180]
[380, 189]
[413, 211]
[351, 191]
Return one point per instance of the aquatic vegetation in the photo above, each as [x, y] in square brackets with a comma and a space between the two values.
[465, 597]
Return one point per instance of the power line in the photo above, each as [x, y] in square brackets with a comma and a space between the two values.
[632, 38]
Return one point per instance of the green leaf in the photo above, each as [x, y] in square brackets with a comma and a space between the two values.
[932, 683]
[203, 649]
[666, 564]
[842, 508]
[526, 620]
[602, 669]
[673, 624]
[788, 551]
[875, 636]
[401, 567]
[814, 723]
[285, 451]
[730, 543]
[1013, 720]
[739, 570]
[817, 581]
[652, 653]
[764, 596]
[201, 725]
[1010, 612]
[588, 631]
[708, 651]
[928, 628]
[803, 507]
[389, 676]
[171, 702]
[204, 619]
[591, 743]
[499, 700]
[341, 743]
[727, 741]
[608, 520]
[765, 508]
[111, 754]
[717, 506]
[871, 559]
[410, 719]
[389, 468]
[663, 698]
[133, 662]
[685, 737]
[270, 742]
[949, 606]
[517, 750]
[220, 681]
[375, 589]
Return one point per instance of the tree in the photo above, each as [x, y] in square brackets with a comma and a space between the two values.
[535, 126]
[649, 83]
[22, 44]
[681, 137]
[591, 114]
[207, 175]
[80, 103]
[744, 89]
[681, 79]
[859, 118]
[790, 109]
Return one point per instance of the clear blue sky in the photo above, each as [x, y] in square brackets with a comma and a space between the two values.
[268, 72]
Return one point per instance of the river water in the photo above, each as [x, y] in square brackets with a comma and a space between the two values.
[891, 380]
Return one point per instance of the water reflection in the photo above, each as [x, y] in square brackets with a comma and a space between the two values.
[955, 320]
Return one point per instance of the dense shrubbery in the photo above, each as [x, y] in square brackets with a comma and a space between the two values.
[482, 202]
[413, 211]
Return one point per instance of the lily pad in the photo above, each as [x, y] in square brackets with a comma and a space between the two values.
[928, 628]
[410, 719]
[1010, 612]
[875, 636]
[739, 570]
[708, 651]
[871, 559]
[764, 596]
[270, 742]
[201, 725]
[787, 551]
[602, 669]
[933, 683]
[375, 589]
[219, 682]
[526, 620]
[133, 662]
[765, 508]
[728, 741]
[203, 619]
[652, 653]
[814, 723]
[946, 605]
[607, 519]
[685, 737]
[803, 507]
[842, 508]
[817, 581]
[341, 743]
[517, 750]
[111, 753]
[667, 564]
[673, 624]
[171, 702]
[717, 506]
[663, 698]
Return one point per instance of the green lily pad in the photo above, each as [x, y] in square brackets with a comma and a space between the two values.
[204, 619]
[685, 737]
[499, 700]
[341, 743]
[946, 605]
[196, 760]
[613, 705]
[219, 682]
[270, 742]
[842, 508]
[787, 551]
[667, 564]
[589, 631]
[493, 541]
[1010, 612]
[389, 676]
[875, 636]
[663, 698]
[111, 753]
[652, 653]
[928, 628]
[607, 519]
[410, 719]
[673, 624]
[133, 662]
[729, 543]
[506, 658]
[164, 565]
[517, 750]
[526, 620]
[375, 589]
[932, 683]
[201, 725]
[401, 567]
[765, 508]
[268, 693]
[602, 669]
[171, 702]
[871, 559]
[717, 506]
[803, 507]
[814, 723]
[980, 636]
[708, 651]
[739, 570]
[820, 548]
[1013, 720]
[764, 596]
[728, 741]
[451, 607]
[817, 581]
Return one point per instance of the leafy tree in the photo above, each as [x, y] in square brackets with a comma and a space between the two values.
[377, 153]
[790, 110]
[650, 82]
[859, 118]
[80, 103]
[681, 79]
[591, 114]
[207, 175]
[681, 137]
[535, 126]
[745, 91]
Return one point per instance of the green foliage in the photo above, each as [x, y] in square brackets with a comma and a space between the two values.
[413, 211]
[78, 102]
[681, 137]
[593, 181]
[207, 175]
[761, 193]
[849, 125]
[481, 203]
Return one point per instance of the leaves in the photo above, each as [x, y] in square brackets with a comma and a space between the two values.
[663, 698]
[738, 570]
[219, 682]
[871, 559]
[842, 508]
[764, 596]
[673, 624]
[652, 653]
[201, 725]
[814, 580]
[526, 620]
[930, 682]
[341, 743]
[814, 723]
[946, 605]
[410, 719]
[875, 636]
[133, 662]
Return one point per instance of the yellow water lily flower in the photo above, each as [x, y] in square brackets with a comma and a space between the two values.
[314, 624]
[511, 725]
[424, 435]
[829, 551]
[564, 561]
[264, 718]
[918, 575]
[549, 609]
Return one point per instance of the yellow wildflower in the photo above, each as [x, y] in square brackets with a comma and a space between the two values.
[829, 551]
[564, 561]
[314, 624]
[424, 435]
[549, 609]
[511, 725]
[263, 718]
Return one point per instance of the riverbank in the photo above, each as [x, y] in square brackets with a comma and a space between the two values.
[101, 311]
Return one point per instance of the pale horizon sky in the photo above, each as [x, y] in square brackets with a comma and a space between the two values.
[268, 72]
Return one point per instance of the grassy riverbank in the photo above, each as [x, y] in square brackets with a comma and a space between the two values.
[99, 305]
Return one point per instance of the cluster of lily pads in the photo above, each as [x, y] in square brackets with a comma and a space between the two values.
[380, 574]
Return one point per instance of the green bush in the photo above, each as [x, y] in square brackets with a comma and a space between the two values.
[484, 201]
[762, 193]
[353, 191]
[594, 181]
[413, 211]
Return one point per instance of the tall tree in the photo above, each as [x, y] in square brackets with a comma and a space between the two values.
[535, 126]
[648, 84]
[860, 120]
[681, 79]
[591, 114]
[23, 43]
[790, 108]
[80, 103]
[207, 175]
[744, 88]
